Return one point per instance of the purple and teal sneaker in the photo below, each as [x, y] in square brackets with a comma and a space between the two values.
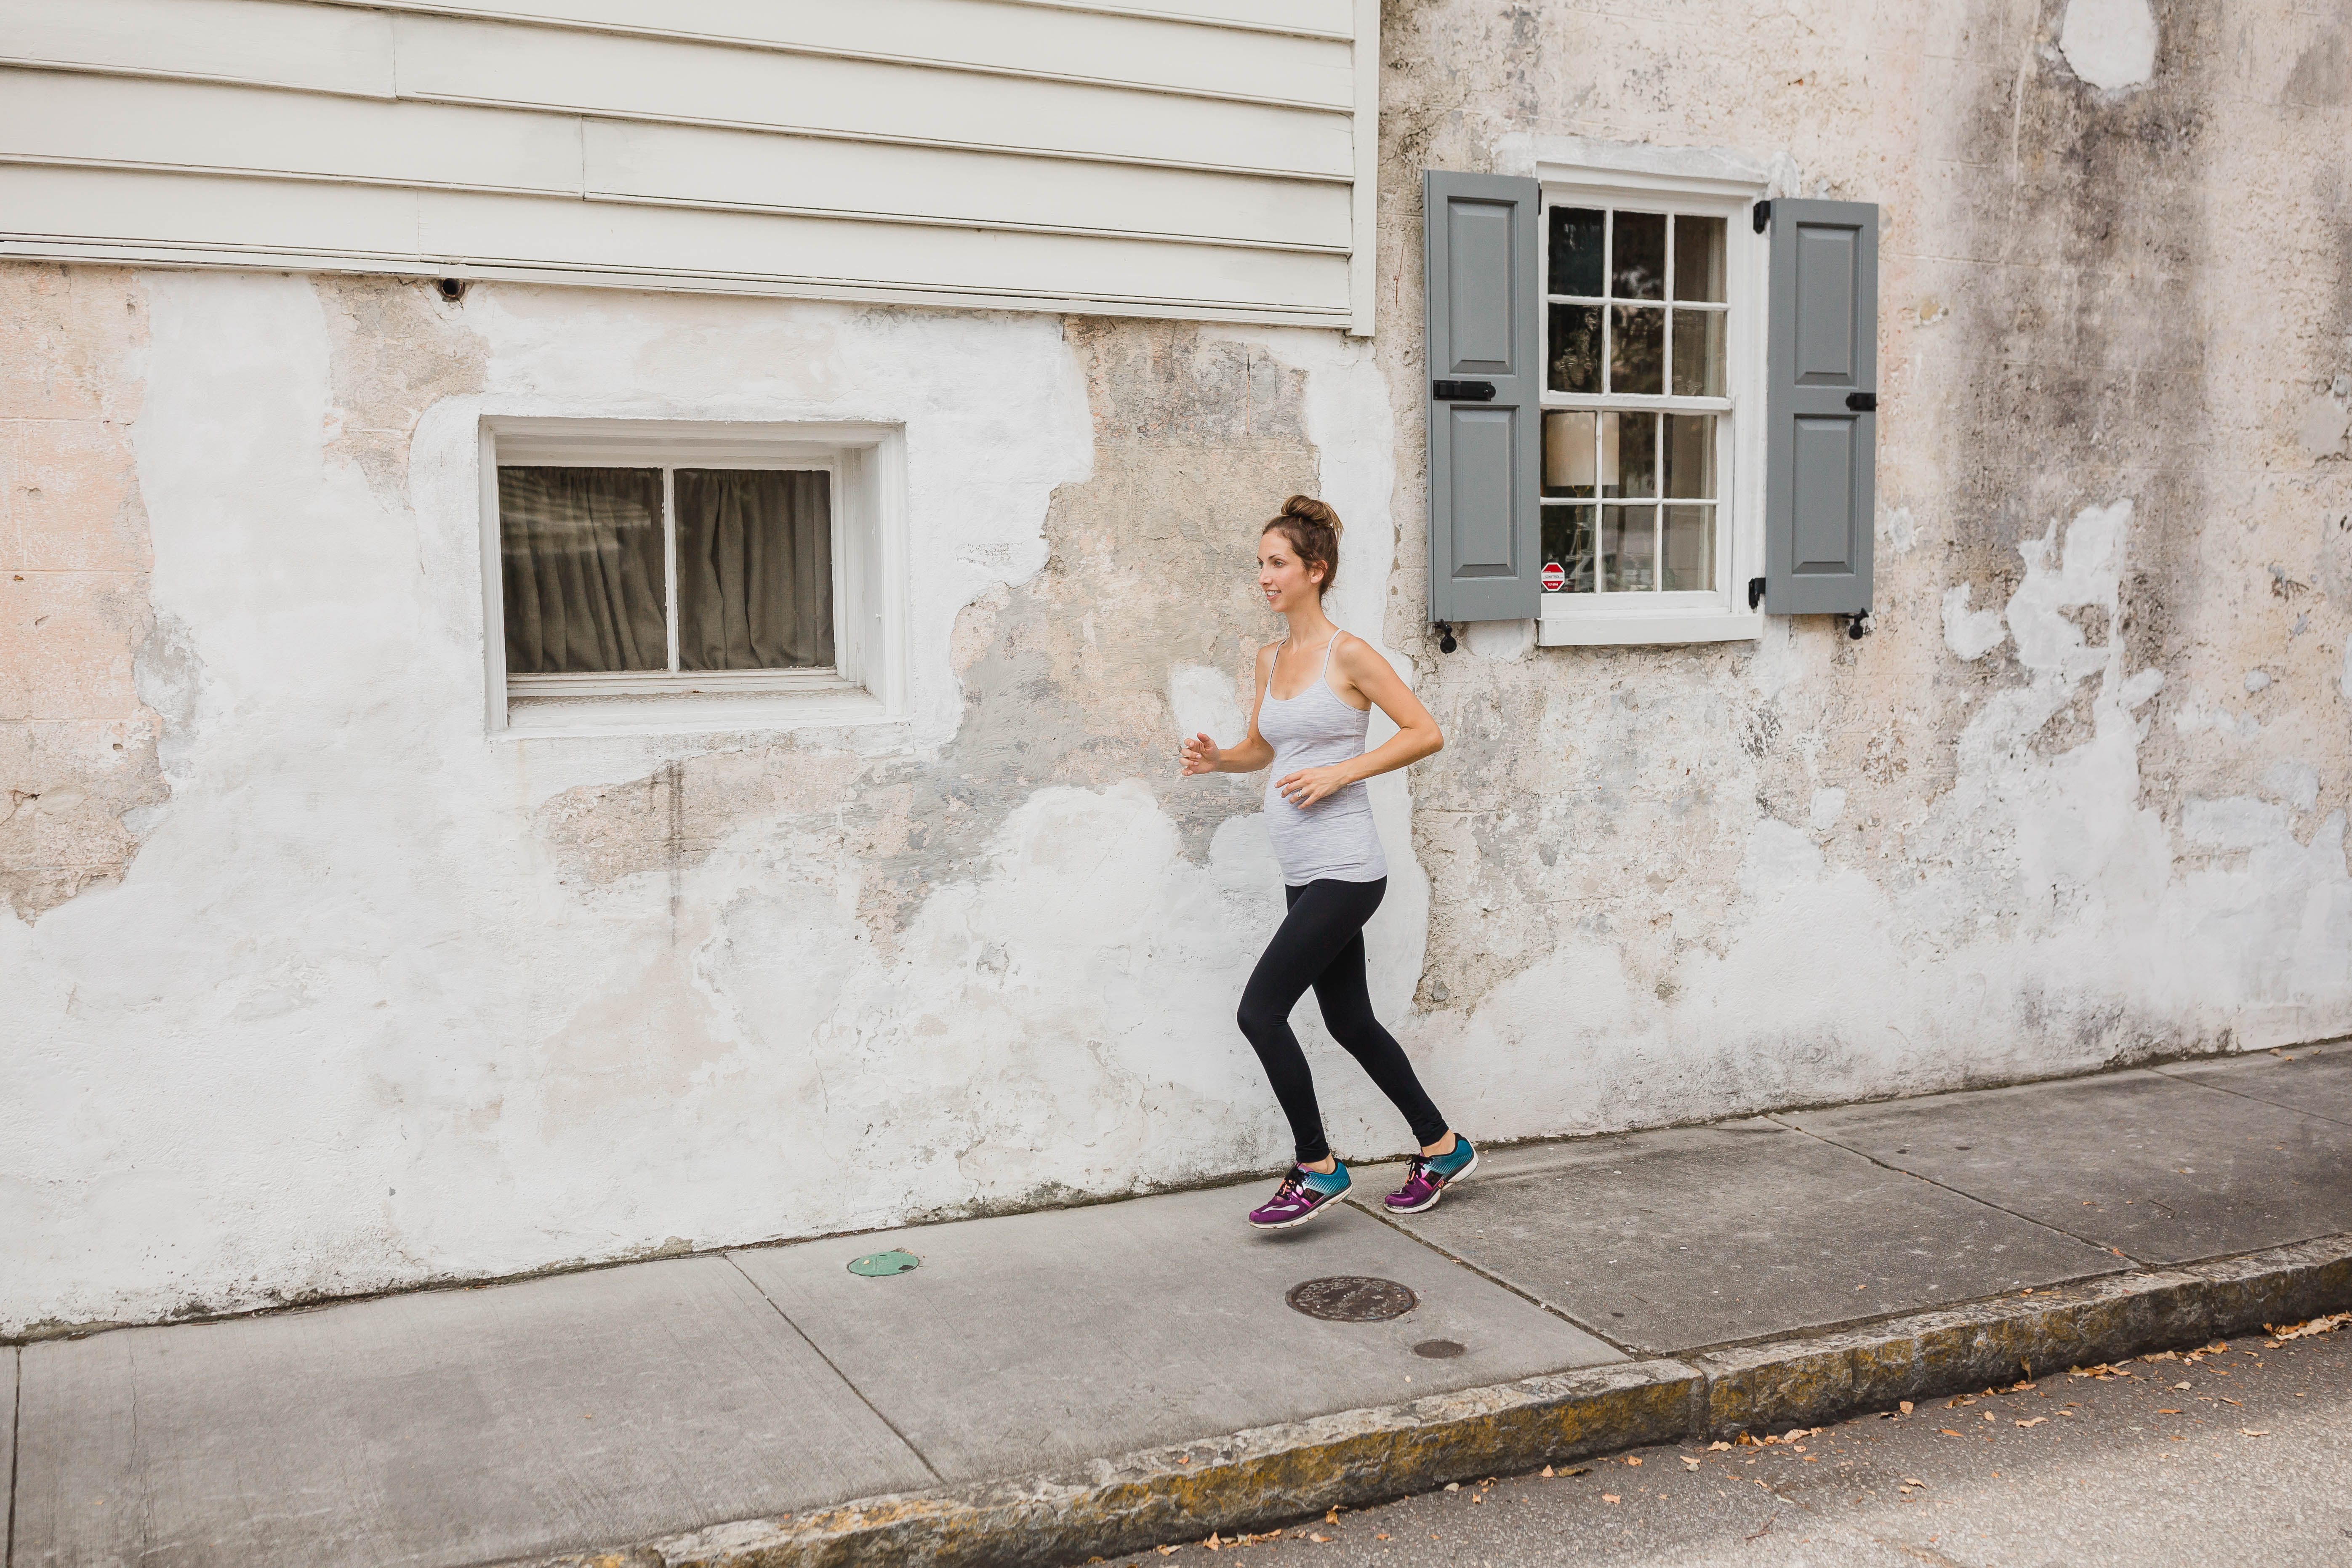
[1304, 1193]
[1426, 1179]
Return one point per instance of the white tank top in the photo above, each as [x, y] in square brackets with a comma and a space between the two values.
[1332, 840]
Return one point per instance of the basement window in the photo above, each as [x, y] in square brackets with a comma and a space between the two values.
[669, 575]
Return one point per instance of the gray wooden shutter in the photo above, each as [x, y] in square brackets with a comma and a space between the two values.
[1479, 234]
[1819, 468]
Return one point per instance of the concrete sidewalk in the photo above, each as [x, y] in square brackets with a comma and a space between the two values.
[1048, 1385]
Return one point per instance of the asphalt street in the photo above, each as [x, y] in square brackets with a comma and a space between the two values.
[2241, 1455]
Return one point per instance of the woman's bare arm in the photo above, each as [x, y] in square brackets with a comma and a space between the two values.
[1202, 755]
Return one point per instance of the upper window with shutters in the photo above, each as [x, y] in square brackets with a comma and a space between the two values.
[1652, 400]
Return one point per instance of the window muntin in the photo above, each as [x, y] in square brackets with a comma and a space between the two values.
[1636, 410]
[645, 578]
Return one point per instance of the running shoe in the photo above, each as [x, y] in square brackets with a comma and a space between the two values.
[1304, 1193]
[1426, 1179]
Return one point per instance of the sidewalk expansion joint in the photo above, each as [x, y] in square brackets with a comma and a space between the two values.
[1962, 1193]
[1633, 1351]
[880, 1414]
[1275, 1475]
[2255, 1098]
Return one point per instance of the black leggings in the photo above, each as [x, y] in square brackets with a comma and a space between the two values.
[1321, 943]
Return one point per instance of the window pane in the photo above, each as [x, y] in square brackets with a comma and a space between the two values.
[1698, 353]
[754, 569]
[1629, 454]
[1568, 543]
[1568, 454]
[579, 554]
[1638, 261]
[1576, 348]
[1575, 251]
[1698, 258]
[1629, 544]
[1637, 349]
[1690, 548]
[1690, 456]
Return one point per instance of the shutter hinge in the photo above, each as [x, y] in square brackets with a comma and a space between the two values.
[1463, 391]
[1862, 402]
[1445, 643]
[1858, 627]
[1755, 592]
[1761, 214]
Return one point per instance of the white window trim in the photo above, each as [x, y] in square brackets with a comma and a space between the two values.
[867, 683]
[1578, 173]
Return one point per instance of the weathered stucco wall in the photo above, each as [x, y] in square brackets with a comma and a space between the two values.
[2081, 798]
[314, 988]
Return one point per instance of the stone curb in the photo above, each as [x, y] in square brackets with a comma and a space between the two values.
[1274, 1475]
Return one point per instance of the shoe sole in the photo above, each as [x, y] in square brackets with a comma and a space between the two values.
[1311, 1214]
[1461, 1175]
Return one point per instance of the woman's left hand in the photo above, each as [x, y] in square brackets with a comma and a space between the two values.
[1307, 786]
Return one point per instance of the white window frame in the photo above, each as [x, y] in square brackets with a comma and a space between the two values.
[866, 681]
[1719, 614]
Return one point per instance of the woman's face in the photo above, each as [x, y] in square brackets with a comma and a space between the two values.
[1286, 581]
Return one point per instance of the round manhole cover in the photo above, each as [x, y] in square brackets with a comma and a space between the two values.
[1352, 1299]
[882, 1265]
[1440, 1349]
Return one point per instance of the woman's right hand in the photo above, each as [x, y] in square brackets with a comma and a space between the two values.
[1201, 755]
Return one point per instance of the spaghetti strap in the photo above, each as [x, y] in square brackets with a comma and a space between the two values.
[1329, 643]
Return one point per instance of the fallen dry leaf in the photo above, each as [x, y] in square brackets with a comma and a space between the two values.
[2239, 1404]
[1325, 1539]
[1905, 1407]
[2180, 1385]
[1608, 1497]
[2035, 1422]
[2326, 1325]
[1333, 1517]
[1633, 1459]
[1948, 1432]
[1165, 1550]
[2255, 1431]
[1913, 1482]
[1690, 1463]
[1990, 1416]
[2169, 1413]
[1547, 1470]
[1453, 1486]
[1718, 1448]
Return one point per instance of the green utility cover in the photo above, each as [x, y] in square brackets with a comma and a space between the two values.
[882, 1265]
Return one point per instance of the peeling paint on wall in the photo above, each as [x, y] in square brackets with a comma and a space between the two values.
[77, 738]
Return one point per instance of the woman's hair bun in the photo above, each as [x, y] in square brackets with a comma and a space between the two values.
[1307, 509]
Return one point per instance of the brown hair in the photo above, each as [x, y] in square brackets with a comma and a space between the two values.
[1313, 530]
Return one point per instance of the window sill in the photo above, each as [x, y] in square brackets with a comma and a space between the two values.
[538, 717]
[1603, 628]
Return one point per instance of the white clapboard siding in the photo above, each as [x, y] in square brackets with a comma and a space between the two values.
[1008, 36]
[1204, 158]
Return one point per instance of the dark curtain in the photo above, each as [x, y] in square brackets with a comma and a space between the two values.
[754, 569]
[582, 549]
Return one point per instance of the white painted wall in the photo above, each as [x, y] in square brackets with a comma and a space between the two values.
[1200, 161]
[348, 1023]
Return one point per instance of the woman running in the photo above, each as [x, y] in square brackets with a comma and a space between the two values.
[1320, 819]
